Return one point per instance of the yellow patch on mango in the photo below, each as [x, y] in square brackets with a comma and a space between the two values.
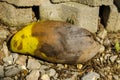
[23, 41]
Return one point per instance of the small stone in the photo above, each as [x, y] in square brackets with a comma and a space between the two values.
[107, 56]
[7, 78]
[11, 71]
[1, 71]
[34, 75]
[102, 34]
[106, 42]
[116, 77]
[91, 76]
[3, 33]
[118, 61]
[45, 77]
[42, 69]
[113, 58]
[5, 49]
[33, 64]
[102, 49]
[8, 60]
[52, 72]
[21, 60]
[15, 56]
[79, 66]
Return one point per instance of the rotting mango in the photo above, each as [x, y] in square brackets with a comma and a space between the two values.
[55, 41]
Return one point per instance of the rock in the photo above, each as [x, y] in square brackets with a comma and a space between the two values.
[116, 77]
[45, 77]
[51, 72]
[118, 61]
[79, 66]
[33, 64]
[76, 12]
[102, 34]
[23, 3]
[102, 49]
[12, 70]
[21, 60]
[106, 42]
[107, 56]
[87, 2]
[43, 68]
[13, 16]
[8, 60]
[7, 78]
[91, 76]
[113, 58]
[1, 71]
[113, 20]
[3, 33]
[5, 49]
[15, 56]
[34, 75]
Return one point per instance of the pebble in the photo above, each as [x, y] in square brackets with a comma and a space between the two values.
[15, 56]
[113, 58]
[51, 72]
[91, 76]
[42, 69]
[102, 49]
[102, 34]
[116, 77]
[106, 42]
[45, 77]
[21, 60]
[1, 71]
[118, 61]
[11, 71]
[5, 49]
[107, 56]
[34, 75]
[33, 64]
[8, 60]
[3, 33]
[79, 66]
[7, 78]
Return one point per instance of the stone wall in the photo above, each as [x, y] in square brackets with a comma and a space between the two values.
[85, 13]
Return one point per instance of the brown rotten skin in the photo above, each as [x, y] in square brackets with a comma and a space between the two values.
[60, 42]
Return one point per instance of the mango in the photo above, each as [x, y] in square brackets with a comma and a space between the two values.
[55, 41]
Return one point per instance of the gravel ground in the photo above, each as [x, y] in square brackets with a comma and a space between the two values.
[104, 66]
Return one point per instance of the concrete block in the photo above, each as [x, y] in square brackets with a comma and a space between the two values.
[87, 2]
[82, 15]
[113, 18]
[14, 16]
[23, 3]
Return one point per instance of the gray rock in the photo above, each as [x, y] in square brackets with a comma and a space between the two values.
[76, 12]
[21, 60]
[91, 76]
[12, 71]
[33, 64]
[113, 58]
[113, 21]
[34, 75]
[13, 16]
[23, 3]
[3, 33]
[8, 60]
[102, 34]
[43, 68]
[87, 2]
[7, 78]
[45, 77]
[51, 72]
[1, 71]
